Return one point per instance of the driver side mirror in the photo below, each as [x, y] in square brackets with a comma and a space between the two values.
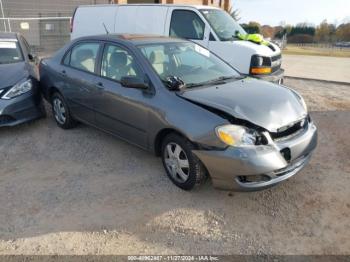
[133, 82]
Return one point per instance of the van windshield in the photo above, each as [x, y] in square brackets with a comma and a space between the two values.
[10, 52]
[225, 27]
[188, 61]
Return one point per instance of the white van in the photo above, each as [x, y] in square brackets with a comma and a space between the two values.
[208, 26]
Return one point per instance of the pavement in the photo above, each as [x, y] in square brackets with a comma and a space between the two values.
[82, 191]
[317, 67]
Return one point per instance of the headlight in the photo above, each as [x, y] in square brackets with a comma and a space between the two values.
[303, 103]
[260, 65]
[301, 99]
[233, 135]
[18, 89]
[257, 61]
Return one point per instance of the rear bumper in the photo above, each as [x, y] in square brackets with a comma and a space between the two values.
[276, 77]
[258, 167]
[21, 109]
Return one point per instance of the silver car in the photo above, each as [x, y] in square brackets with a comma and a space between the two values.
[180, 101]
[20, 99]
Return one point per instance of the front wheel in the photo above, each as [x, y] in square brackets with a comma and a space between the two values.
[61, 112]
[182, 167]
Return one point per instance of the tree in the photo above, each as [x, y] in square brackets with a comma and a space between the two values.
[267, 31]
[252, 27]
[325, 32]
[343, 32]
[301, 39]
[302, 29]
[235, 14]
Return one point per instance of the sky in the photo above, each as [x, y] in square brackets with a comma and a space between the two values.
[273, 12]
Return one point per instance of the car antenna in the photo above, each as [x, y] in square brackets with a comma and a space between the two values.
[105, 28]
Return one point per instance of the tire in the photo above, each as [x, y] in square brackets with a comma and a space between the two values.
[61, 113]
[175, 151]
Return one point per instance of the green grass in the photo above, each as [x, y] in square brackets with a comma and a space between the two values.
[315, 51]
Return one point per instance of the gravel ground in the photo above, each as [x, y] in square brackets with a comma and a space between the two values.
[84, 192]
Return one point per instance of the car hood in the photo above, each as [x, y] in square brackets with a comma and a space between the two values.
[10, 74]
[258, 49]
[262, 103]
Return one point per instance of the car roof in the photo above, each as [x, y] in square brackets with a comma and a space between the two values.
[134, 39]
[199, 7]
[7, 35]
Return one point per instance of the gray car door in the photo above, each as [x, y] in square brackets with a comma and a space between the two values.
[79, 70]
[120, 110]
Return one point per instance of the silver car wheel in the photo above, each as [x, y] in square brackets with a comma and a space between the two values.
[59, 111]
[176, 162]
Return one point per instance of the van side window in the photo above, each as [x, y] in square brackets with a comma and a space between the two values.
[117, 63]
[83, 56]
[186, 24]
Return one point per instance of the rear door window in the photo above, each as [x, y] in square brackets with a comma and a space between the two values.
[186, 24]
[83, 56]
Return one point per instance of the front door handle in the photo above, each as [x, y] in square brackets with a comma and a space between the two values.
[99, 85]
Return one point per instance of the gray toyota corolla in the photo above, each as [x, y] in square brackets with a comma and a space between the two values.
[175, 98]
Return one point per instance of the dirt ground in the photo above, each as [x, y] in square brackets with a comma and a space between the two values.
[293, 49]
[84, 192]
[317, 67]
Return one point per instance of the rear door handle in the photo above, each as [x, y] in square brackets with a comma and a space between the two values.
[63, 73]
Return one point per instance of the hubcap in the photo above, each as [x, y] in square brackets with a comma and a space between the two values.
[59, 111]
[176, 162]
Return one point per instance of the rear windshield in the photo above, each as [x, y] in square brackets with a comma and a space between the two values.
[10, 52]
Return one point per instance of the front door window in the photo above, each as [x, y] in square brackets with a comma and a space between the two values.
[117, 63]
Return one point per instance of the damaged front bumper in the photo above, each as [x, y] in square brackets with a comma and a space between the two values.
[259, 167]
[21, 109]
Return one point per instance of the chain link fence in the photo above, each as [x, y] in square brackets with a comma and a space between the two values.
[44, 23]
[44, 34]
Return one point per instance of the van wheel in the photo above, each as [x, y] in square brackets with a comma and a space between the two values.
[61, 112]
[183, 168]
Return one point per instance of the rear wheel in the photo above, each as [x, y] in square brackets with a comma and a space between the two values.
[61, 112]
[182, 167]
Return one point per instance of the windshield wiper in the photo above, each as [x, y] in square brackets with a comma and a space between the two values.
[217, 81]
[231, 38]
[194, 85]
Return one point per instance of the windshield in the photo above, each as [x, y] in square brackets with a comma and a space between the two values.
[10, 52]
[225, 27]
[193, 64]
